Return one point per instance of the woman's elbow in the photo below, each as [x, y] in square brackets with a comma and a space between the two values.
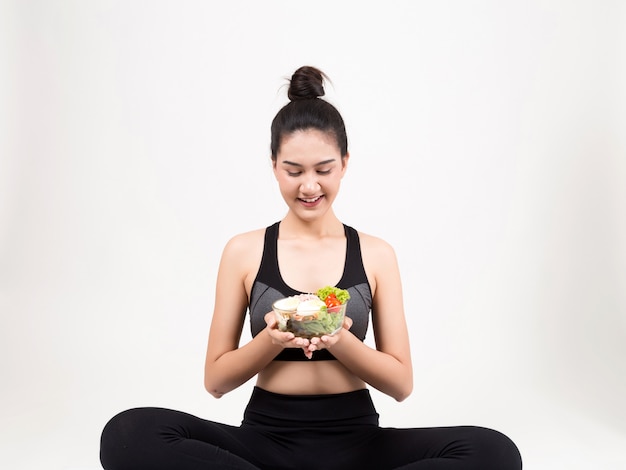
[211, 387]
[215, 393]
[403, 395]
[213, 390]
[405, 389]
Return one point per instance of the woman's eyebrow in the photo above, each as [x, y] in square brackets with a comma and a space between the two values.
[325, 162]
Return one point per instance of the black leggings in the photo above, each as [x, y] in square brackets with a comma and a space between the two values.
[297, 432]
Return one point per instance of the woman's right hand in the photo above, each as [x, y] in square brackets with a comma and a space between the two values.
[286, 339]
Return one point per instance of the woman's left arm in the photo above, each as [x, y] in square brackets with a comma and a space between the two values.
[387, 368]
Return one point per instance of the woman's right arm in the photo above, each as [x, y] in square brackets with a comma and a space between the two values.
[227, 365]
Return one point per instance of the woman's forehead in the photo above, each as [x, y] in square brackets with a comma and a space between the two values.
[309, 145]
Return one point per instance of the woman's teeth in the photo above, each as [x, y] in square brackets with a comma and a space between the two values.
[313, 199]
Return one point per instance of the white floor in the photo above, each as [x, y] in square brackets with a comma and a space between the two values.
[550, 435]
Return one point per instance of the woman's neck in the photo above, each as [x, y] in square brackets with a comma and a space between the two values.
[329, 225]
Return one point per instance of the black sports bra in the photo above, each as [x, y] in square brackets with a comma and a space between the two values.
[269, 286]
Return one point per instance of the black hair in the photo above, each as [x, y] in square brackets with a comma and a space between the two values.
[306, 110]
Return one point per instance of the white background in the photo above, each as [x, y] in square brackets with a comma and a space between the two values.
[488, 146]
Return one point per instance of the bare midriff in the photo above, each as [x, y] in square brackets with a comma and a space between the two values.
[308, 378]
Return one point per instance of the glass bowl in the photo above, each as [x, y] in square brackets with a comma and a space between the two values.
[309, 323]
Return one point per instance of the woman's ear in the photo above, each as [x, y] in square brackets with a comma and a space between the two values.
[344, 163]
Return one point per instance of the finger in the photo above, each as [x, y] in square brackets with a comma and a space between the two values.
[283, 336]
[270, 320]
[302, 342]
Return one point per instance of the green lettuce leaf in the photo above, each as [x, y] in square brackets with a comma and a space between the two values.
[342, 295]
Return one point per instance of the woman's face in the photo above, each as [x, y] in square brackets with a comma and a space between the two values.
[309, 169]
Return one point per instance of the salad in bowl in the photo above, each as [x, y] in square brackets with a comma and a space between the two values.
[312, 315]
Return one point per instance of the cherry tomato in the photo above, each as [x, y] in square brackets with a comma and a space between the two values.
[332, 301]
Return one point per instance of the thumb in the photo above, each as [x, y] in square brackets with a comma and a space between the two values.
[270, 319]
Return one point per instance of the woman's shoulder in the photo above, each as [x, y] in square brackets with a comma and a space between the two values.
[242, 255]
[244, 242]
[375, 246]
[379, 260]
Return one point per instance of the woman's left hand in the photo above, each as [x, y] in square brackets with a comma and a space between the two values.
[327, 341]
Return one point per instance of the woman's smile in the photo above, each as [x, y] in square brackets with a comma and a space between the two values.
[311, 201]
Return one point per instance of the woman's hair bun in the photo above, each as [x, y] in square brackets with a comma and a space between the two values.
[306, 83]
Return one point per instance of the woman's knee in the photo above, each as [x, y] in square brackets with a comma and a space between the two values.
[497, 449]
[125, 423]
[123, 434]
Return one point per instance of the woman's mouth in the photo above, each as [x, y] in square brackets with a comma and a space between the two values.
[310, 201]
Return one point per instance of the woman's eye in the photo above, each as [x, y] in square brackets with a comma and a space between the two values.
[323, 172]
[293, 173]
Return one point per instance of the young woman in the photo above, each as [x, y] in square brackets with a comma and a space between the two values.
[311, 407]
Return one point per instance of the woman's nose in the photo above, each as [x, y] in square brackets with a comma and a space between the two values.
[309, 184]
